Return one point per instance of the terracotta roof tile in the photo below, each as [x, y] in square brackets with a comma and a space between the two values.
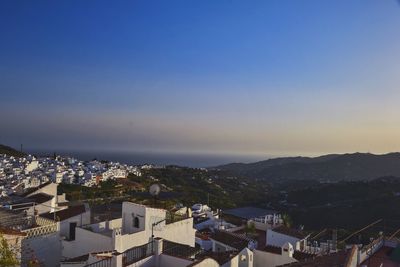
[66, 213]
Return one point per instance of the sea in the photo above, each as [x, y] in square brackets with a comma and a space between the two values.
[137, 158]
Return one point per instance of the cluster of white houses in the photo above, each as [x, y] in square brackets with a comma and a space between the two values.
[19, 174]
[42, 228]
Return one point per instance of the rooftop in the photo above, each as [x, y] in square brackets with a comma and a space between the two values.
[290, 232]
[249, 212]
[233, 240]
[338, 259]
[385, 256]
[220, 257]
[66, 213]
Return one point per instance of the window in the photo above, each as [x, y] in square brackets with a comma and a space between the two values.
[136, 222]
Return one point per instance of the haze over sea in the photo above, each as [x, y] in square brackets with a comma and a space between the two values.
[181, 159]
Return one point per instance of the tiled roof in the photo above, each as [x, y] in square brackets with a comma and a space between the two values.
[273, 249]
[66, 213]
[338, 259]
[290, 232]
[40, 198]
[300, 256]
[230, 239]
[31, 190]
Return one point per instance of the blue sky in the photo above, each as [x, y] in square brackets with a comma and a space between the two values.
[240, 77]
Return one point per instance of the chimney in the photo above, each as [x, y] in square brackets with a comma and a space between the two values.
[287, 249]
[158, 249]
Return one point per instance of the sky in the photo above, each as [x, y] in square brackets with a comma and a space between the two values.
[284, 77]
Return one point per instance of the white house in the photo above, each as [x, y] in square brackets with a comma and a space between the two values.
[136, 227]
[278, 236]
[69, 219]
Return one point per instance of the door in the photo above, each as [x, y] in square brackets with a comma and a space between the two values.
[72, 227]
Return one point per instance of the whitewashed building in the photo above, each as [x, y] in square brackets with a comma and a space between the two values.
[136, 227]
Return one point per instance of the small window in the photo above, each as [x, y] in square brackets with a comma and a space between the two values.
[136, 222]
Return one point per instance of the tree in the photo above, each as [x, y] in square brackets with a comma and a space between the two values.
[7, 256]
[250, 229]
[287, 221]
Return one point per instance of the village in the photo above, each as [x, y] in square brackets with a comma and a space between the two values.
[43, 228]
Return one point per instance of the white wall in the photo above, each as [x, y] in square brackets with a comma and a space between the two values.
[46, 248]
[267, 259]
[86, 241]
[81, 219]
[124, 242]
[234, 262]
[207, 262]
[246, 258]
[180, 232]
[278, 239]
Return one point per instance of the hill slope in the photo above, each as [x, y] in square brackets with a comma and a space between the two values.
[10, 151]
[348, 167]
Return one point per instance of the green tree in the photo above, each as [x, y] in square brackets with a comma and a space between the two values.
[287, 220]
[250, 229]
[7, 256]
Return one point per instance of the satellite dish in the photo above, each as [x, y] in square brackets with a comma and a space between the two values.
[154, 190]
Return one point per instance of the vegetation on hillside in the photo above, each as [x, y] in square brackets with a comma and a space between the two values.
[217, 188]
[346, 167]
[11, 151]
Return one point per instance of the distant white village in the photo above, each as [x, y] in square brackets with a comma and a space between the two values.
[19, 174]
[45, 229]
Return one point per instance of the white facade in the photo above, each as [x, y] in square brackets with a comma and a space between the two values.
[278, 240]
[268, 259]
[133, 229]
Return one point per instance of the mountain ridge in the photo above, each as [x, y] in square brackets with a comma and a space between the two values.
[330, 167]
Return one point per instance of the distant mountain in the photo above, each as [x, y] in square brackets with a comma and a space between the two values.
[334, 167]
[10, 151]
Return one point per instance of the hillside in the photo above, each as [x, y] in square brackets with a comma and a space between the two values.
[10, 151]
[347, 167]
[346, 205]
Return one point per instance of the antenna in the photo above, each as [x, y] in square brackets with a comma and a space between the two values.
[155, 191]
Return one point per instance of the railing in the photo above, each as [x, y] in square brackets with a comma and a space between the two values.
[180, 250]
[45, 227]
[101, 263]
[43, 221]
[137, 253]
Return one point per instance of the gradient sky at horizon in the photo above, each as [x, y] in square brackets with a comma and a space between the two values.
[283, 77]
